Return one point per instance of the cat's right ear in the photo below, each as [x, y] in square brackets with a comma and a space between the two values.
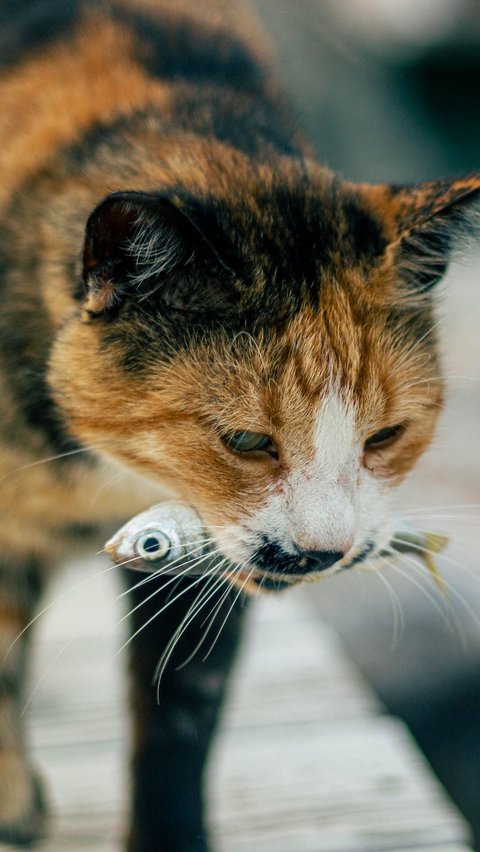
[140, 245]
[425, 225]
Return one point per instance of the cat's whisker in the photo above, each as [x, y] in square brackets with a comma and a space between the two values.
[397, 609]
[155, 575]
[173, 589]
[188, 588]
[107, 485]
[449, 610]
[422, 589]
[420, 510]
[419, 361]
[163, 572]
[207, 540]
[210, 618]
[75, 452]
[435, 519]
[446, 377]
[57, 600]
[238, 568]
[212, 615]
[192, 564]
[201, 601]
[201, 598]
[247, 578]
[125, 562]
[437, 555]
[65, 595]
[156, 614]
[165, 569]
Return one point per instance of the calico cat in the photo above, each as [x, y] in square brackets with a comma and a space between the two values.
[191, 305]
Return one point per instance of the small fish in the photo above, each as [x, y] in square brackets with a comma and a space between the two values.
[169, 535]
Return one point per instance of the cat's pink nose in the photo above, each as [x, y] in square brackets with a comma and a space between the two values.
[311, 545]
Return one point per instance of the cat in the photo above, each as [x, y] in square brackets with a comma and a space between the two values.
[192, 305]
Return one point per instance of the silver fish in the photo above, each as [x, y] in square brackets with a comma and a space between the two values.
[162, 538]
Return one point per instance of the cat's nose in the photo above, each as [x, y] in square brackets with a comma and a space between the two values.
[319, 560]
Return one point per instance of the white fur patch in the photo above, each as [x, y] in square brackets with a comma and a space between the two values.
[329, 502]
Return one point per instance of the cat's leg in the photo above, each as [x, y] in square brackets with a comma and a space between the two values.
[22, 802]
[172, 735]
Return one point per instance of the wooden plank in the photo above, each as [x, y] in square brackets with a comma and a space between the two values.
[326, 775]
[294, 669]
[305, 761]
[327, 788]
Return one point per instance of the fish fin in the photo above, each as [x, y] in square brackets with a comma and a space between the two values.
[435, 543]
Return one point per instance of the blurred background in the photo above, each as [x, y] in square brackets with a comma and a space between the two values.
[388, 90]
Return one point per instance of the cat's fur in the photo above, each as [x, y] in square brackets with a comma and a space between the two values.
[175, 266]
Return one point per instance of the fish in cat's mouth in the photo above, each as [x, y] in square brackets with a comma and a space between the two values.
[163, 541]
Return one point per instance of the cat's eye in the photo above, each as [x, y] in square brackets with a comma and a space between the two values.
[384, 437]
[247, 442]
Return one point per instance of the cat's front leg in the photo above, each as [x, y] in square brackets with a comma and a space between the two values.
[22, 802]
[172, 732]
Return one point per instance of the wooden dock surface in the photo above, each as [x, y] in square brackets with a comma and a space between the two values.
[305, 762]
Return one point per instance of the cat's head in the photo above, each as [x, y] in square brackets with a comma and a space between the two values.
[269, 351]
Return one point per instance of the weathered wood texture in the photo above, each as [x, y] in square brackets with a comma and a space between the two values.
[305, 762]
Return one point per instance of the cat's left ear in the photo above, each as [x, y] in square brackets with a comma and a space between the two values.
[140, 245]
[427, 222]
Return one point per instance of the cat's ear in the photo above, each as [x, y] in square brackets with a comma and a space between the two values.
[427, 223]
[138, 246]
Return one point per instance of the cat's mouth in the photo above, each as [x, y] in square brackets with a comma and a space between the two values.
[253, 581]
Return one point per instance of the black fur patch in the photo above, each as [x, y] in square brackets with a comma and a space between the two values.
[251, 124]
[27, 25]
[23, 580]
[360, 557]
[183, 49]
[364, 234]
[268, 257]
[270, 557]
[174, 729]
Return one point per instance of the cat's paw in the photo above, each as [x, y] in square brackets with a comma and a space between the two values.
[23, 811]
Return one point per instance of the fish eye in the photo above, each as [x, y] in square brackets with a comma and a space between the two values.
[384, 437]
[246, 442]
[152, 545]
